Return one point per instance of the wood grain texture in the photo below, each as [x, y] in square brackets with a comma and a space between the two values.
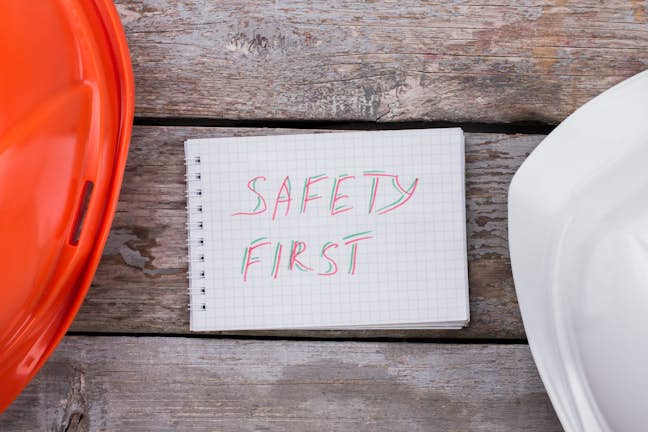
[169, 384]
[141, 284]
[380, 61]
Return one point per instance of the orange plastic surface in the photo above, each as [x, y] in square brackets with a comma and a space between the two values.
[66, 111]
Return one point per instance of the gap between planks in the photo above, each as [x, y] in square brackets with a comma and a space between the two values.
[517, 128]
[309, 337]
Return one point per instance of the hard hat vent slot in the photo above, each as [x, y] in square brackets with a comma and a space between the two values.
[83, 208]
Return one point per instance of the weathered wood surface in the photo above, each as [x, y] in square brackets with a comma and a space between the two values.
[387, 61]
[133, 384]
[141, 283]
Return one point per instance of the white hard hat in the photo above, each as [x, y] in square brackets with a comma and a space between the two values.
[578, 234]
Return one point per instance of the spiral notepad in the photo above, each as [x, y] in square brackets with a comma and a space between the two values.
[333, 230]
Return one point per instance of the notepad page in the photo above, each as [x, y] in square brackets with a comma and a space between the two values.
[330, 230]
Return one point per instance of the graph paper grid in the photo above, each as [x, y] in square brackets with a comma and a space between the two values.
[410, 266]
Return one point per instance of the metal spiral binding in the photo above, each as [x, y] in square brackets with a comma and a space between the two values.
[197, 273]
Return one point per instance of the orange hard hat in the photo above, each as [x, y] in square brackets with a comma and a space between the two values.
[66, 111]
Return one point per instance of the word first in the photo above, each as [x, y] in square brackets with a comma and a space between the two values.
[296, 256]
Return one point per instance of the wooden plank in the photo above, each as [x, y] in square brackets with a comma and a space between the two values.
[141, 283]
[380, 61]
[160, 384]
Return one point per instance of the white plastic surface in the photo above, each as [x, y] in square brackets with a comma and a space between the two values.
[578, 235]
